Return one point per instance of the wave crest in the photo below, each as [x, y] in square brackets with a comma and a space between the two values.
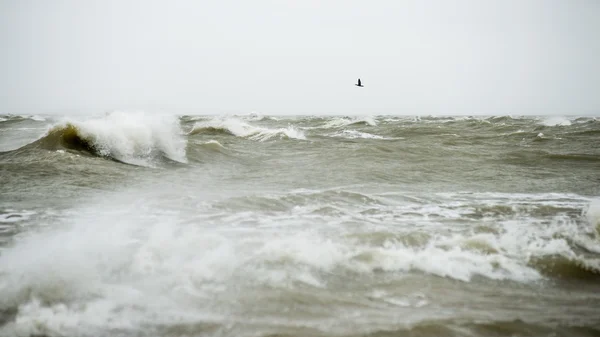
[20, 118]
[133, 138]
[346, 121]
[555, 121]
[239, 128]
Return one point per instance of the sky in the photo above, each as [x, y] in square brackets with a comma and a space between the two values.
[414, 57]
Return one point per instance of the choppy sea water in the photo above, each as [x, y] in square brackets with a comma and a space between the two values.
[137, 224]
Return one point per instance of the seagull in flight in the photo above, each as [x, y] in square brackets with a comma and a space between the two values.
[359, 84]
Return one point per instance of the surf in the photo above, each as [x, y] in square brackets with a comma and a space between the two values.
[136, 138]
[238, 128]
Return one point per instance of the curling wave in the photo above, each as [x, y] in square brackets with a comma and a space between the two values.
[133, 138]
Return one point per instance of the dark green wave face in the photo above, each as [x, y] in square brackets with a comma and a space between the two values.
[136, 224]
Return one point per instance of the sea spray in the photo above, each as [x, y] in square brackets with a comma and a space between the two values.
[137, 138]
[593, 215]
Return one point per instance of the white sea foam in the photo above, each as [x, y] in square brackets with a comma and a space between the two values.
[456, 263]
[345, 121]
[31, 117]
[593, 215]
[135, 137]
[134, 265]
[351, 134]
[555, 121]
[242, 129]
[355, 134]
[37, 118]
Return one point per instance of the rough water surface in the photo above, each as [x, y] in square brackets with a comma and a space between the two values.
[136, 224]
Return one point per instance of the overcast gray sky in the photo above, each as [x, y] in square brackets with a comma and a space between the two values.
[301, 57]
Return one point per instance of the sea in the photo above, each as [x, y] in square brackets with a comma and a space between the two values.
[132, 223]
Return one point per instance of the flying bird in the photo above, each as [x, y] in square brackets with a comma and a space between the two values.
[359, 84]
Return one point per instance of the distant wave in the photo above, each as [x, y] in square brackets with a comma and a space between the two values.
[555, 121]
[256, 116]
[213, 144]
[133, 138]
[338, 122]
[238, 128]
[19, 118]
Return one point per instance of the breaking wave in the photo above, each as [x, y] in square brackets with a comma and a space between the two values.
[339, 122]
[133, 138]
[555, 121]
[593, 215]
[18, 118]
[238, 128]
[354, 134]
[503, 250]
[135, 266]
